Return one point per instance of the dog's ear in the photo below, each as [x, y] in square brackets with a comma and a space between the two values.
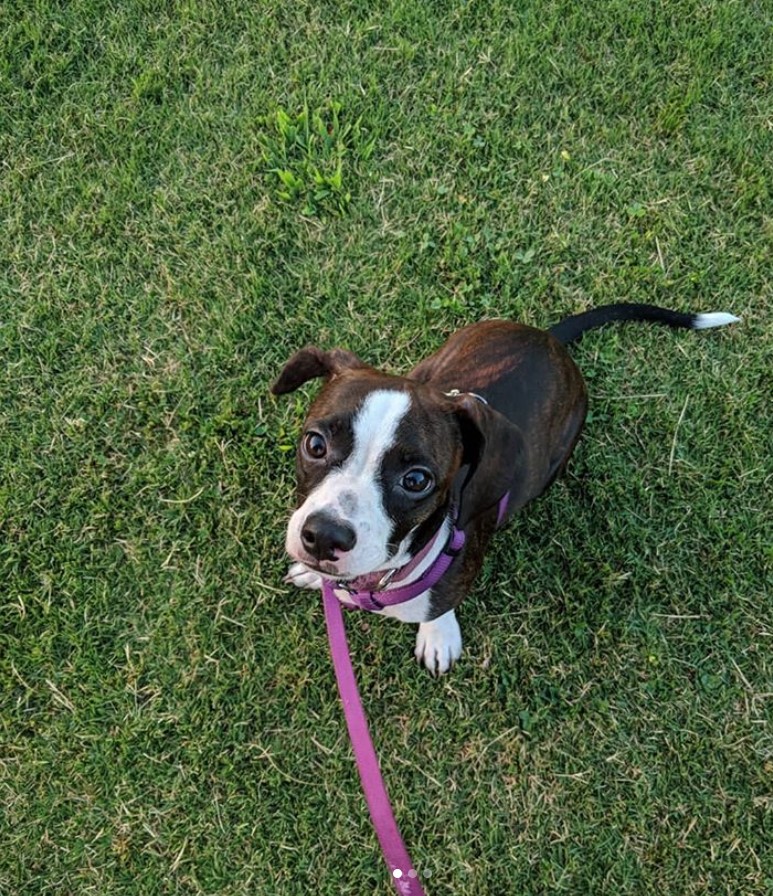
[492, 455]
[311, 362]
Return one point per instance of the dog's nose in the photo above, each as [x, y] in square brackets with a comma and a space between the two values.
[323, 535]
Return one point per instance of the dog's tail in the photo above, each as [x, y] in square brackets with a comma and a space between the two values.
[572, 328]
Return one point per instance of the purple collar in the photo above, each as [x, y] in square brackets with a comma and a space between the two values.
[378, 598]
[388, 597]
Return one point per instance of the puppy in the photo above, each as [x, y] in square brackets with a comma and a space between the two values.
[402, 480]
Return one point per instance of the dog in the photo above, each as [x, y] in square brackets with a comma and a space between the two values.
[402, 480]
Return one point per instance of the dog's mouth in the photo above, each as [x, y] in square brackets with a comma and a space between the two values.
[369, 581]
[375, 580]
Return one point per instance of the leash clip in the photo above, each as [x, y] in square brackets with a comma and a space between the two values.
[385, 579]
[345, 586]
[382, 583]
[361, 600]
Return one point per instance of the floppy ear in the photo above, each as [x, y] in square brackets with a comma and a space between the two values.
[492, 456]
[311, 362]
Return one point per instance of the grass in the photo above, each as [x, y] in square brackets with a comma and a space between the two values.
[191, 191]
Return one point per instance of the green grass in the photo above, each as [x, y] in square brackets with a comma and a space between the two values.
[168, 717]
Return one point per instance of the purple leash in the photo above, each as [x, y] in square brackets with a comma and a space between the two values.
[398, 861]
[401, 870]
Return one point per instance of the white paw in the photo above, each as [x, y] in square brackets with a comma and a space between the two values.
[302, 577]
[439, 643]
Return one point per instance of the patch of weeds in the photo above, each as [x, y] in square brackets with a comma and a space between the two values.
[313, 156]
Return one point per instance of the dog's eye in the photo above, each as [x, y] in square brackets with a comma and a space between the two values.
[315, 445]
[417, 481]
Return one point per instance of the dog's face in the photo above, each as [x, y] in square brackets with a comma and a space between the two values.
[379, 461]
[374, 463]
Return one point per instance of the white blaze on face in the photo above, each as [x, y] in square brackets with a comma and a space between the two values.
[352, 492]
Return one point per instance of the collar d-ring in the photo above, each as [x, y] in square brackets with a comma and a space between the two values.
[455, 393]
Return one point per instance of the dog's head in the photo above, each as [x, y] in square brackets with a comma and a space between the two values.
[380, 461]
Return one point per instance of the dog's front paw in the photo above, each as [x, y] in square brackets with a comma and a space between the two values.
[302, 577]
[439, 643]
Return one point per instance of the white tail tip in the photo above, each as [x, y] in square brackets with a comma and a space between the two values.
[714, 319]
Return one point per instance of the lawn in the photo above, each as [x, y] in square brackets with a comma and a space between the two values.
[190, 191]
